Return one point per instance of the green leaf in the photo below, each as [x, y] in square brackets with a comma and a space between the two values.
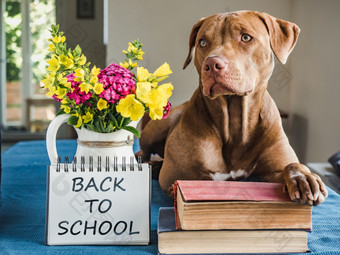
[62, 111]
[126, 121]
[77, 50]
[73, 120]
[132, 130]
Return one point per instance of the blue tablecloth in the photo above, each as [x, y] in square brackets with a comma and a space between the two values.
[22, 215]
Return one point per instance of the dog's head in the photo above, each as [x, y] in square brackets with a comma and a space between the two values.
[234, 51]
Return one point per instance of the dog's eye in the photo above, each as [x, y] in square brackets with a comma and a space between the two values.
[246, 38]
[203, 42]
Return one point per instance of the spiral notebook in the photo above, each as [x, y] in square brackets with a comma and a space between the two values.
[98, 204]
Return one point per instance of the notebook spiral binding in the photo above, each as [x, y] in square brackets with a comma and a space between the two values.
[124, 166]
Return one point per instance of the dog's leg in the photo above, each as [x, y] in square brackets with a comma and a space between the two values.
[304, 186]
[275, 165]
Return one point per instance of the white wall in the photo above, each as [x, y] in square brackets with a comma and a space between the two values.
[305, 87]
[316, 74]
[88, 33]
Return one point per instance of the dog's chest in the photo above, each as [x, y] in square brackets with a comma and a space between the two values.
[232, 175]
[222, 167]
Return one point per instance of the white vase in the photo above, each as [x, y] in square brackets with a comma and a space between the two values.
[115, 144]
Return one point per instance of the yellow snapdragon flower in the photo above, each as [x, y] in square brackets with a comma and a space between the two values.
[128, 64]
[79, 73]
[85, 87]
[82, 60]
[66, 108]
[131, 108]
[53, 64]
[131, 48]
[60, 92]
[59, 39]
[95, 71]
[140, 54]
[88, 117]
[51, 91]
[49, 80]
[51, 47]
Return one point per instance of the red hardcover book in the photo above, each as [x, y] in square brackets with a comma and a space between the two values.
[237, 205]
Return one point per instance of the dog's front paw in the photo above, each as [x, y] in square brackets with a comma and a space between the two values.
[303, 186]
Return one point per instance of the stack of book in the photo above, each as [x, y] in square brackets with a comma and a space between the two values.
[233, 217]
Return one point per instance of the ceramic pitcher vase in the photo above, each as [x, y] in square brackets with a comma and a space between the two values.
[90, 143]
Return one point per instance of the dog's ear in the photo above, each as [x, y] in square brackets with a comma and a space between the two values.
[192, 40]
[283, 35]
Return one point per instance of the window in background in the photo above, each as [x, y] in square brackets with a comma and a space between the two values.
[26, 25]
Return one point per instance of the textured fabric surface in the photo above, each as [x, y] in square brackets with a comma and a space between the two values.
[22, 215]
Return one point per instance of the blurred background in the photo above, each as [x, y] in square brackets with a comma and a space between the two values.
[306, 89]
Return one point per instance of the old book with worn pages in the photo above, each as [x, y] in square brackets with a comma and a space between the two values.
[213, 205]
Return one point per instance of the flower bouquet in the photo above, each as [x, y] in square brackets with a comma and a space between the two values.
[109, 99]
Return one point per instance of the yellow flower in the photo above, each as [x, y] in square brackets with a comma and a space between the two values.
[82, 60]
[66, 108]
[95, 71]
[159, 96]
[79, 73]
[143, 91]
[69, 64]
[85, 87]
[70, 55]
[102, 104]
[80, 120]
[51, 47]
[131, 64]
[93, 79]
[98, 88]
[132, 48]
[56, 39]
[66, 61]
[156, 113]
[140, 54]
[125, 64]
[53, 64]
[128, 64]
[48, 81]
[131, 108]
[60, 92]
[62, 80]
[88, 117]
[165, 90]
[63, 59]
[51, 91]
[142, 74]
[163, 70]
[64, 101]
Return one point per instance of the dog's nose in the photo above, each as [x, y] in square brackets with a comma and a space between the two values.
[214, 64]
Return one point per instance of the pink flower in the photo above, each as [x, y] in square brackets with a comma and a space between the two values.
[118, 82]
[77, 95]
[166, 110]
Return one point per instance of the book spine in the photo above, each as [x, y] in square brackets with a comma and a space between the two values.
[174, 186]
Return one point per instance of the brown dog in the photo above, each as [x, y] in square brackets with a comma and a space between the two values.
[231, 128]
